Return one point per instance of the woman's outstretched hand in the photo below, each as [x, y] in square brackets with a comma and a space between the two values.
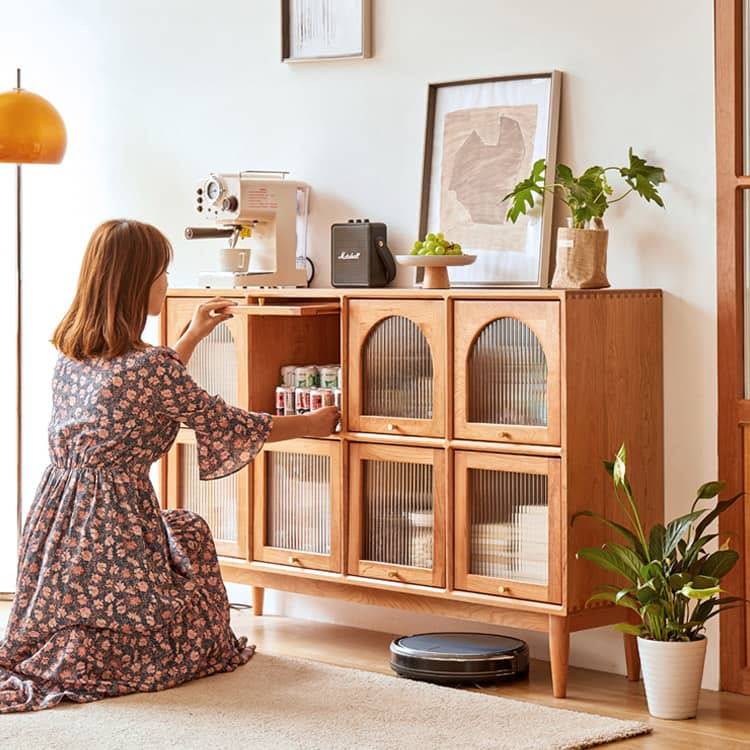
[322, 422]
[206, 317]
[318, 423]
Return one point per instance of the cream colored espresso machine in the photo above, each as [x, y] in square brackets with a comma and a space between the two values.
[264, 215]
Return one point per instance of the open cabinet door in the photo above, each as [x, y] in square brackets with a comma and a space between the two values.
[732, 29]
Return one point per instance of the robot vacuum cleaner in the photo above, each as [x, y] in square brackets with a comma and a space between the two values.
[460, 658]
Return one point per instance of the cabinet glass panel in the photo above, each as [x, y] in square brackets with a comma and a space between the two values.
[214, 364]
[397, 370]
[507, 375]
[298, 502]
[509, 532]
[398, 513]
[215, 501]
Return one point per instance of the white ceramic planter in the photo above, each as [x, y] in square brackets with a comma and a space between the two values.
[672, 674]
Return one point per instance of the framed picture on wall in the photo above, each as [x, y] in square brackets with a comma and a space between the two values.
[325, 30]
[482, 138]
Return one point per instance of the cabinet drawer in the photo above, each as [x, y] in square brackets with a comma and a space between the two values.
[396, 379]
[297, 514]
[508, 525]
[506, 361]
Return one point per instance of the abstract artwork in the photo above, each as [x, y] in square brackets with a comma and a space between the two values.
[482, 138]
[324, 29]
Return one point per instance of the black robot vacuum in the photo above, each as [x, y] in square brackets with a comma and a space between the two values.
[460, 658]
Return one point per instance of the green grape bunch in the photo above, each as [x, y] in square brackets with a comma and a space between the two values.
[436, 244]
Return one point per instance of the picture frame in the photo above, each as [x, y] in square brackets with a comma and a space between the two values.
[482, 137]
[315, 30]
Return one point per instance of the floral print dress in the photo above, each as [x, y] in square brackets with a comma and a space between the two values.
[114, 595]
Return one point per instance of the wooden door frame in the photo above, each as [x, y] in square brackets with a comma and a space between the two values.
[733, 408]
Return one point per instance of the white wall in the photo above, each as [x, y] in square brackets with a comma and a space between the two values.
[156, 95]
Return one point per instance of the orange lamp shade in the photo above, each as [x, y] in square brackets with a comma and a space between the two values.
[31, 129]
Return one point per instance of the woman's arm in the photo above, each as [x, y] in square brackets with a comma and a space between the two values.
[206, 317]
[318, 423]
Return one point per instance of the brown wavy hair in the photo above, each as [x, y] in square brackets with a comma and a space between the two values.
[122, 260]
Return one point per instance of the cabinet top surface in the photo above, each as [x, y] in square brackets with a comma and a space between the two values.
[414, 293]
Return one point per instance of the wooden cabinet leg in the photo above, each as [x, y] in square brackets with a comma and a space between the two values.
[632, 660]
[559, 653]
[258, 601]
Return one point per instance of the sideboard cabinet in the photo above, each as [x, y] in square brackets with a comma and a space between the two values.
[474, 425]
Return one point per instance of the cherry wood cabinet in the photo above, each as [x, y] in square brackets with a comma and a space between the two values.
[474, 425]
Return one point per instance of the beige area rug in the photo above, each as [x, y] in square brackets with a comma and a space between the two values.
[286, 704]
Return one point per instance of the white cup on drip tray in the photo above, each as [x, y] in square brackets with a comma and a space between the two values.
[234, 259]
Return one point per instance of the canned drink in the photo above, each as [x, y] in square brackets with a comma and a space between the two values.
[320, 397]
[302, 377]
[339, 381]
[329, 376]
[336, 394]
[306, 377]
[287, 376]
[302, 400]
[316, 398]
[285, 400]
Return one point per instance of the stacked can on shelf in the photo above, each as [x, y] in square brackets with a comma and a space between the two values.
[306, 388]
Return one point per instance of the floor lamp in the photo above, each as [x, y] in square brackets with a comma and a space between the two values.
[31, 132]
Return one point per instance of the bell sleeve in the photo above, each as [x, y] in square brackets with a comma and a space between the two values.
[227, 437]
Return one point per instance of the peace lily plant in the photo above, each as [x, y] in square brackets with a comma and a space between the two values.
[673, 582]
[673, 585]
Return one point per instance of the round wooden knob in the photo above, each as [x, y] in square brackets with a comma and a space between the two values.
[390, 427]
[501, 589]
[292, 560]
[505, 435]
[392, 574]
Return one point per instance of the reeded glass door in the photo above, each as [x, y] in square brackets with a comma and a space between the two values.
[217, 366]
[507, 525]
[397, 373]
[507, 371]
[397, 517]
[297, 514]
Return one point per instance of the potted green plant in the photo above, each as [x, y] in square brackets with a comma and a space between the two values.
[673, 587]
[581, 257]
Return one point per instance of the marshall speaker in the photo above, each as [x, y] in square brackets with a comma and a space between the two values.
[360, 254]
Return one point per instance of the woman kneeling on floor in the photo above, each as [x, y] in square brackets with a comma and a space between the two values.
[114, 595]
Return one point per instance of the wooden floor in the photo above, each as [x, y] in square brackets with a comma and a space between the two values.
[723, 720]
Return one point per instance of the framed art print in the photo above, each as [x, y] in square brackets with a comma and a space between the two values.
[324, 29]
[482, 137]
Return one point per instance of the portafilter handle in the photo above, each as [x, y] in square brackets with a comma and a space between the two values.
[202, 233]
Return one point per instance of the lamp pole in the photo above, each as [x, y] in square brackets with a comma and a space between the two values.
[19, 348]
[31, 131]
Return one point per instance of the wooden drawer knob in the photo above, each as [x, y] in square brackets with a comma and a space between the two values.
[505, 435]
[502, 590]
[293, 560]
[390, 427]
[392, 574]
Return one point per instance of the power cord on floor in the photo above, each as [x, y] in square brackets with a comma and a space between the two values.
[239, 605]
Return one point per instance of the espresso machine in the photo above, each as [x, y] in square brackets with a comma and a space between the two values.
[264, 217]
